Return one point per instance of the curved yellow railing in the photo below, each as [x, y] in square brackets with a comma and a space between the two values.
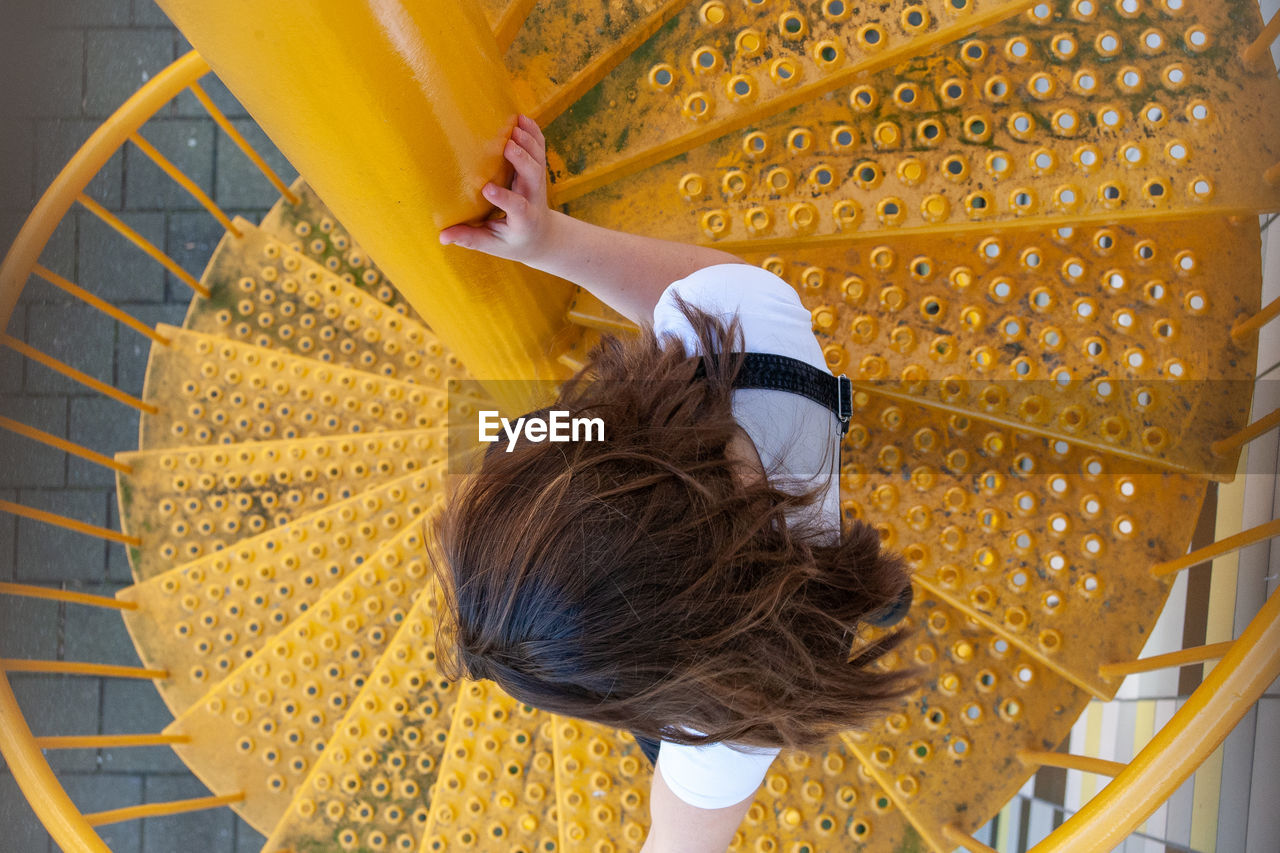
[75, 176]
[68, 827]
[1181, 745]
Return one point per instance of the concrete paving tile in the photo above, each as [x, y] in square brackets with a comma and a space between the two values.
[188, 144]
[22, 828]
[118, 569]
[240, 185]
[248, 839]
[75, 334]
[61, 705]
[187, 105]
[133, 350]
[115, 269]
[11, 363]
[97, 634]
[8, 536]
[104, 425]
[147, 14]
[89, 13]
[17, 164]
[25, 462]
[122, 60]
[57, 141]
[11, 220]
[134, 707]
[191, 241]
[49, 553]
[59, 254]
[29, 628]
[58, 66]
[212, 831]
[97, 792]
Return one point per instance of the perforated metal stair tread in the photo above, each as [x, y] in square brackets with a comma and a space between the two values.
[373, 784]
[1105, 337]
[202, 619]
[497, 777]
[718, 67]
[1055, 116]
[1042, 542]
[211, 390]
[565, 48]
[279, 706]
[987, 701]
[602, 786]
[309, 229]
[187, 502]
[264, 294]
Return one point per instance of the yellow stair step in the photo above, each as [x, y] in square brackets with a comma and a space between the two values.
[373, 784]
[718, 67]
[276, 710]
[185, 503]
[201, 620]
[309, 229]
[211, 390]
[1047, 544]
[1106, 337]
[497, 777]
[602, 786]
[1054, 116]
[264, 294]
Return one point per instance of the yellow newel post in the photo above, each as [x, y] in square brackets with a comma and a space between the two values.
[396, 113]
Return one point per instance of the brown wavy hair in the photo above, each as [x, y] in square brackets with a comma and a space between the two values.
[640, 583]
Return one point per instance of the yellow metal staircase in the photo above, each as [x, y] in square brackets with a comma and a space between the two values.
[1025, 229]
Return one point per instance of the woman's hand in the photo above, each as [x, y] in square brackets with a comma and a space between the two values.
[525, 231]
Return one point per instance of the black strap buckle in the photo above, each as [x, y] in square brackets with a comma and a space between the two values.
[846, 402]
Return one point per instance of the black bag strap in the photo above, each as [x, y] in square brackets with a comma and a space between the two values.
[775, 372]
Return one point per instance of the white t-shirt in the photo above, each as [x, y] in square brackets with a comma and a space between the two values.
[798, 434]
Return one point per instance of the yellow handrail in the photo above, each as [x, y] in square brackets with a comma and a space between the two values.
[75, 176]
[75, 667]
[1267, 422]
[80, 376]
[43, 791]
[1181, 745]
[69, 523]
[963, 839]
[1253, 55]
[153, 251]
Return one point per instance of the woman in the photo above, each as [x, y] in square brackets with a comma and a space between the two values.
[686, 579]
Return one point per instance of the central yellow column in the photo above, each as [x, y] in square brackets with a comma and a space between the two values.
[396, 113]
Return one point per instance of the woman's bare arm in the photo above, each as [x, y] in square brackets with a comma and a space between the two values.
[628, 272]
[677, 827]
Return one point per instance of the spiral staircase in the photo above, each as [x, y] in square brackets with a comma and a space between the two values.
[1026, 229]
